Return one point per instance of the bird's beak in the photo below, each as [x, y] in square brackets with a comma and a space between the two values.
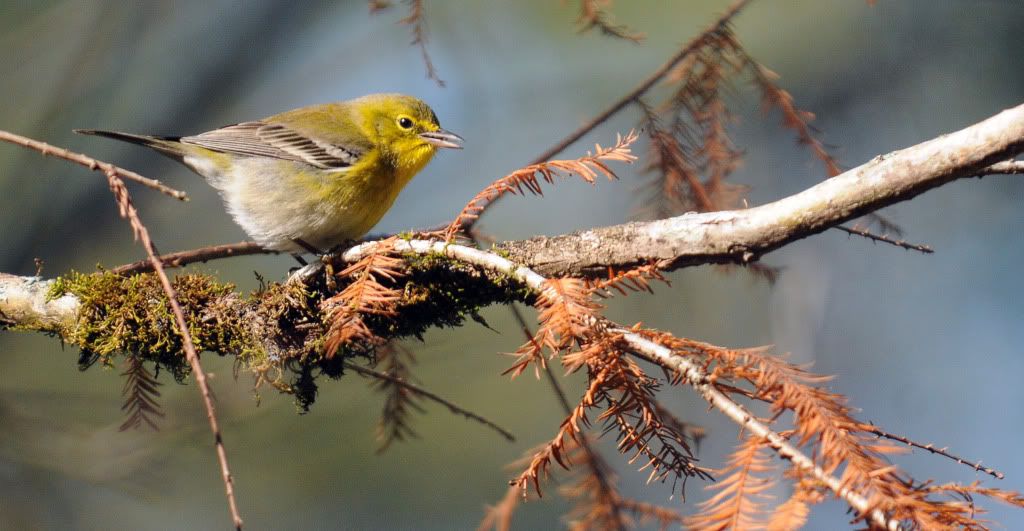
[443, 139]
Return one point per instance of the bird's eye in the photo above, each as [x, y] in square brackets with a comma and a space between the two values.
[405, 122]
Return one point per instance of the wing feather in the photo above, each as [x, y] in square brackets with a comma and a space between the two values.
[261, 139]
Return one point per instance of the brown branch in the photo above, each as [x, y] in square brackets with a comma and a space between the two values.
[694, 45]
[857, 230]
[587, 167]
[429, 395]
[944, 452]
[415, 20]
[201, 255]
[91, 163]
[229, 250]
[128, 211]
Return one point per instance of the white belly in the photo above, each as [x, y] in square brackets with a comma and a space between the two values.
[275, 212]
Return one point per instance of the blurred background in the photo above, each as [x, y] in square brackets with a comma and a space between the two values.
[927, 346]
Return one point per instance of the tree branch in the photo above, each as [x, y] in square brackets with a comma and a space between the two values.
[91, 163]
[1008, 167]
[742, 236]
[699, 380]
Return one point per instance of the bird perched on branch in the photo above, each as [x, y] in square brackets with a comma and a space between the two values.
[312, 178]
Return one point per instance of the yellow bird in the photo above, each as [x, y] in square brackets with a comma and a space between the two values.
[312, 178]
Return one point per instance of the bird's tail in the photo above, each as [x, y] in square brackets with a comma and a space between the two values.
[167, 145]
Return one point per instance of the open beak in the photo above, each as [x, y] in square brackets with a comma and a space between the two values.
[443, 139]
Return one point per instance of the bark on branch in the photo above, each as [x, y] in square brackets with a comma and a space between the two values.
[741, 236]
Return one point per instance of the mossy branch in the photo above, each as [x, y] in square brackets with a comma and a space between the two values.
[277, 332]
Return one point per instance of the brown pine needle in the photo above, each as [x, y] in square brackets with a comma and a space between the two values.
[364, 295]
[498, 517]
[588, 168]
[793, 513]
[630, 280]
[739, 502]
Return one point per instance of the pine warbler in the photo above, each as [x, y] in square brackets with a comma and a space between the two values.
[309, 179]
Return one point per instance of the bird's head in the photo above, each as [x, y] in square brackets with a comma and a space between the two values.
[406, 129]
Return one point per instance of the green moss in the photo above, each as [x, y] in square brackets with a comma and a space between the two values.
[442, 292]
[131, 315]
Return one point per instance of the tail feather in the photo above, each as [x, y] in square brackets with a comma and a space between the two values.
[168, 145]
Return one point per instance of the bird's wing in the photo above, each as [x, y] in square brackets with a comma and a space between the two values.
[274, 140]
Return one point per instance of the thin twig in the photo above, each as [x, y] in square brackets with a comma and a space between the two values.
[976, 465]
[694, 45]
[228, 250]
[1009, 167]
[884, 238]
[129, 212]
[203, 254]
[415, 19]
[453, 407]
[91, 163]
[593, 16]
